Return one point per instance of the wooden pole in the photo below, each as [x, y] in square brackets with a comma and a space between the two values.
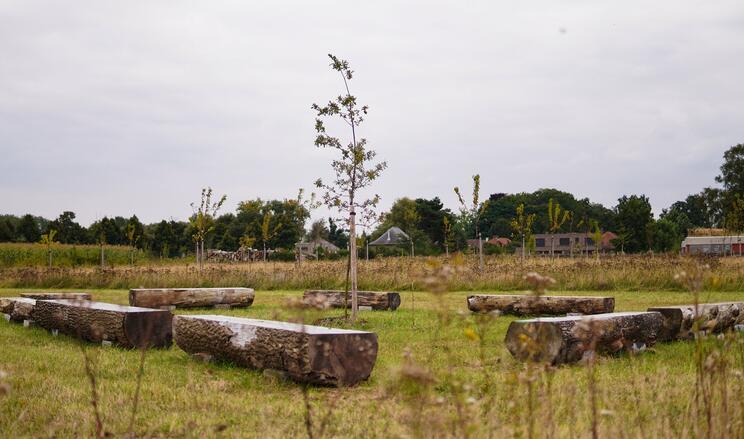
[480, 250]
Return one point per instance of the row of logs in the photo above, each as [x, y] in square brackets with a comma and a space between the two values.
[305, 353]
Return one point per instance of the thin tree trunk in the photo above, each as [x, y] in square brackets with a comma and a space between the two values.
[196, 254]
[201, 263]
[480, 251]
[346, 287]
[264, 251]
[353, 265]
[552, 245]
[523, 249]
[102, 260]
[50, 258]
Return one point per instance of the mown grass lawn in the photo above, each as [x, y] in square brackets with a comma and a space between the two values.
[458, 395]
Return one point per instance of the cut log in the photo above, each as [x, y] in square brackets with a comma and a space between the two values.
[191, 297]
[559, 340]
[311, 354]
[713, 317]
[127, 326]
[18, 308]
[52, 296]
[377, 300]
[521, 305]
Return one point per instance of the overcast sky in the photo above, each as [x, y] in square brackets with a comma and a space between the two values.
[115, 108]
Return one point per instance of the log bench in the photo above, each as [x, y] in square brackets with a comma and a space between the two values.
[191, 297]
[713, 317]
[524, 304]
[377, 300]
[559, 340]
[311, 354]
[18, 308]
[126, 326]
[59, 295]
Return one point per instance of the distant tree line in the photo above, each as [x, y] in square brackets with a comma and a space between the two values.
[280, 224]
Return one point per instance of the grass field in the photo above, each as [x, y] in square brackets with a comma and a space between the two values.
[439, 373]
[67, 255]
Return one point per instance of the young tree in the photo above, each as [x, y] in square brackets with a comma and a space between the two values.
[47, 240]
[132, 237]
[268, 232]
[202, 221]
[354, 169]
[522, 226]
[470, 216]
[448, 234]
[555, 222]
[596, 237]
[622, 239]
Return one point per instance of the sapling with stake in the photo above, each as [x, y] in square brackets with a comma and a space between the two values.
[555, 222]
[471, 215]
[522, 226]
[202, 220]
[47, 240]
[354, 169]
[132, 238]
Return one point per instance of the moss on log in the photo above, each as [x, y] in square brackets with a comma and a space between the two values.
[127, 326]
[559, 340]
[311, 354]
[524, 304]
[191, 297]
[377, 300]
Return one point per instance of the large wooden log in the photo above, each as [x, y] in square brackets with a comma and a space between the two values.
[713, 317]
[127, 326]
[191, 297]
[524, 304]
[377, 300]
[18, 308]
[311, 354]
[559, 340]
[59, 295]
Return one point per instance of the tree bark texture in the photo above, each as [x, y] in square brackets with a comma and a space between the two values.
[51, 296]
[191, 297]
[526, 304]
[377, 300]
[127, 326]
[713, 317]
[18, 308]
[311, 354]
[560, 340]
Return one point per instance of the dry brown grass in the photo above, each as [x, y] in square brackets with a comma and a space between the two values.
[628, 273]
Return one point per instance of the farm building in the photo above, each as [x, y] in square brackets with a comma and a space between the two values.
[713, 245]
[498, 242]
[565, 244]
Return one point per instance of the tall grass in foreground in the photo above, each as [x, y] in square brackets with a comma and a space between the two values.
[629, 273]
[532, 401]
